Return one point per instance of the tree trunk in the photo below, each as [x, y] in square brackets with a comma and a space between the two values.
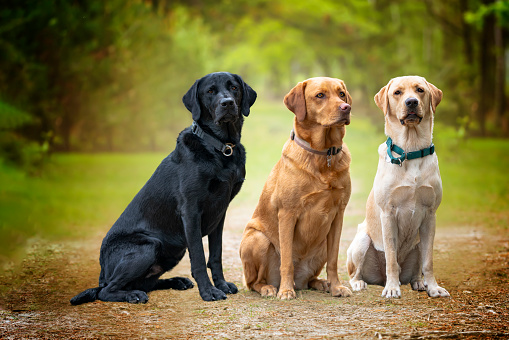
[486, 71]
[500, 98]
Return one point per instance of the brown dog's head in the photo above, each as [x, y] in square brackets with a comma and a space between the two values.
[324, 101]
[408, 100]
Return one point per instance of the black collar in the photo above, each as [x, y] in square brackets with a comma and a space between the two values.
[225, 149]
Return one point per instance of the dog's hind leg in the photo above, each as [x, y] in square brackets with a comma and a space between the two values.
[411, 270]
[260, 263]
[127, 281]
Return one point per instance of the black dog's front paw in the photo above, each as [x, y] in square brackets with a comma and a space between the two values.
[212, 294]
[136, 296]
[227, 287]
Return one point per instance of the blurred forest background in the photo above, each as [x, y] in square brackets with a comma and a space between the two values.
[109, 75]
[90, 76]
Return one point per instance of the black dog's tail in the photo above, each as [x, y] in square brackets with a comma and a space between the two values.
[89, 295]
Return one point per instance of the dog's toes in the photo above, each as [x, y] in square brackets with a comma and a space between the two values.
[318, 284]
[268, 291]
[340, 291]
[181, 283]
[418, 285]
[227, 287]
[286, 294]
[438, 292]
[212, 294]
[136, 296]
[391, 292]
[358, 285]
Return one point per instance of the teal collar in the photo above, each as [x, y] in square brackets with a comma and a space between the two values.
[405, 155]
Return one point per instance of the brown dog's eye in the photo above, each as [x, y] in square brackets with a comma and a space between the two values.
[397, 92]
[420, 90]
[234, 88]
[342, 94]
[320, 95]
[210, 91]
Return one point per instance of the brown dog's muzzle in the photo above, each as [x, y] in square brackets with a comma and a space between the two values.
[344, 110]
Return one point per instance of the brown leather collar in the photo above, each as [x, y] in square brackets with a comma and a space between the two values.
[332, 151]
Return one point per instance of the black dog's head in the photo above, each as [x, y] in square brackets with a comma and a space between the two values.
[222, 97]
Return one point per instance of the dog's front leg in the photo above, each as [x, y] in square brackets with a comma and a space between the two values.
[215, 260]
[427, 236]
[287, 222]
[392, 269]
[333, 239]
[192, 227]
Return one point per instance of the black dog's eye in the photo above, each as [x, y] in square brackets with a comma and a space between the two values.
[320, 95]
[397, 92]
[341, 94]
[420, 90]
[234, 88]
[210, 91]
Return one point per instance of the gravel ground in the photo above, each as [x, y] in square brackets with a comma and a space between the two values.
[471, 263]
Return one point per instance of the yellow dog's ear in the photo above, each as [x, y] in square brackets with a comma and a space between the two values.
[436, 96]
[382, 98]
[295, 101]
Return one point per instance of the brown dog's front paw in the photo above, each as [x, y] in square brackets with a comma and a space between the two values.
[286, 294]
[340, 291]
[268, 291]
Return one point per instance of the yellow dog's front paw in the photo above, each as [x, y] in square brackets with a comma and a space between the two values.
[438, 292]
[286, 294]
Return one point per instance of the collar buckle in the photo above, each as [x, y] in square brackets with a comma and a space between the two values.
[228, 149]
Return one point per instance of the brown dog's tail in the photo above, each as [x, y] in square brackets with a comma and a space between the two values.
[89, 295]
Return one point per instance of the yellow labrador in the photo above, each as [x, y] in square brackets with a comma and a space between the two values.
[394, 244]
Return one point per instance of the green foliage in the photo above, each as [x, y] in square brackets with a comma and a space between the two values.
[500, 8]
[93, 74]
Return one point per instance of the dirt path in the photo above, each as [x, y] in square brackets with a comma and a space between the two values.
[471, 264]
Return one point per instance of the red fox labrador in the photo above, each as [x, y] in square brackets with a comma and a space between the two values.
[297, 224]
[394, 244]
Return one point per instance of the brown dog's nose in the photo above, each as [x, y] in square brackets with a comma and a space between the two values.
[345, 108]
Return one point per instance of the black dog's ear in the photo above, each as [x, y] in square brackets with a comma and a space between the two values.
[248, 96]
[191, 101]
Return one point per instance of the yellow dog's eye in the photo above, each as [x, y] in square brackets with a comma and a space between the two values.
[420, 90]
[320, 95]
[342, 94]
[397, 92]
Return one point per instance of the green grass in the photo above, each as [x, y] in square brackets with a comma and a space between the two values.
[81, 194]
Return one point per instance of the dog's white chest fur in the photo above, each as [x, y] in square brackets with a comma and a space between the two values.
[408, 195]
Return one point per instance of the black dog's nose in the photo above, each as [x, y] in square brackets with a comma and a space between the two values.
[411, 102]
[226, 102]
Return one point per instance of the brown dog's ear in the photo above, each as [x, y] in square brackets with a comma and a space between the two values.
[382, 98]
[295, 101]
[436, 96]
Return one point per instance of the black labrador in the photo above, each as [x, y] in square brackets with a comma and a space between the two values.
[185, 199]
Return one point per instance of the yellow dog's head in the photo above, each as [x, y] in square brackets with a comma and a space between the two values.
[408, 99]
